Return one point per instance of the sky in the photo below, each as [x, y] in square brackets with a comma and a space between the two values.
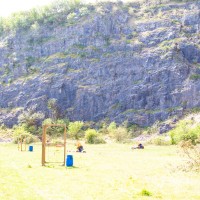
[9, 6]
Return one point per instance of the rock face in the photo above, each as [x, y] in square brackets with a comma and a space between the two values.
[112, 60]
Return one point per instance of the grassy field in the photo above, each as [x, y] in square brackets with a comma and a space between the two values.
[105, 172]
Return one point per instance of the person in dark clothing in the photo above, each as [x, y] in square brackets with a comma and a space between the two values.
[140, 146]
[79, 147]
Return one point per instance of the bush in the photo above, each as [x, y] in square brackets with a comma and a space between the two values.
[112, 127]
[103, 128]
[195, 76]
[93, 137]
[74, 129]
[55, 131]
[191, 135]
[34, 130]
[57, 141]
[134, 130]
[31, 118]
[54, 108]
[71, 17]
[192, 154]
[31, 139]
[184, 131]
[51, 14]
[21, 133]
[31, 121]
[5, 132]
[145, 192]
[90, 136]
[120, 134]
[161, 141]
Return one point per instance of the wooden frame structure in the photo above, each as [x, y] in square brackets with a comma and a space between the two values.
[44, 141]
[21, 142]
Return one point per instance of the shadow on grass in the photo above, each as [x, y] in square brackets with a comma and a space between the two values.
[72, 167]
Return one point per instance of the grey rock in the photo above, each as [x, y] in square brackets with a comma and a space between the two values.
[164, 128]
[109, 64]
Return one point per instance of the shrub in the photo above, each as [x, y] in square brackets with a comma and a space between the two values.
[192, 154]
[120, 134]
[55, 131]
[112, 127]
[74, 129]
[54, 108]
[84, 11]
[71, 17]
[57, 141]
[31, 138]
[195, 110]
[90, 136]
[21, 133]
[93, 137]
[151, 129]
[145, 192]
[5, 132]
[191, 135]
[103, 128]
[184, 131]
[44, 15]
[88, 125]
[30, 117]
[195, 76]
[99, 140]
[161, 141]
[34, 130]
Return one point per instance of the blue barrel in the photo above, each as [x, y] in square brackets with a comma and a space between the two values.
[30, 148]
[69, 161]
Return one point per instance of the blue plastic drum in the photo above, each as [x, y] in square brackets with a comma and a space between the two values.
[69, 161]
[30, 148]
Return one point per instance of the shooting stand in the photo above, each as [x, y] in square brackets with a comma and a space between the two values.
[21, 141]
[44, 141]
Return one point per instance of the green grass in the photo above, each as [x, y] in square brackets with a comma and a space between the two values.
[108, 171]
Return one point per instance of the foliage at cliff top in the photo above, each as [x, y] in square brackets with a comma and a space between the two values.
[57, 13]
[50, 14]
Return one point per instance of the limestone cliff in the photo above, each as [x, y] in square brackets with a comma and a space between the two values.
[112, 60]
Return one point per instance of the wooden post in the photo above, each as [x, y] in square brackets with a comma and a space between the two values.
[25, 144]
[21, 142]
[18, 143]
[64, 145]
[43, 144]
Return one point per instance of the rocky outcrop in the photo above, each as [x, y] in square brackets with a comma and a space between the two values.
[114, 60]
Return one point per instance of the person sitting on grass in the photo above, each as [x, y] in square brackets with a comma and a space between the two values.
[140, 146]
[79, 147]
